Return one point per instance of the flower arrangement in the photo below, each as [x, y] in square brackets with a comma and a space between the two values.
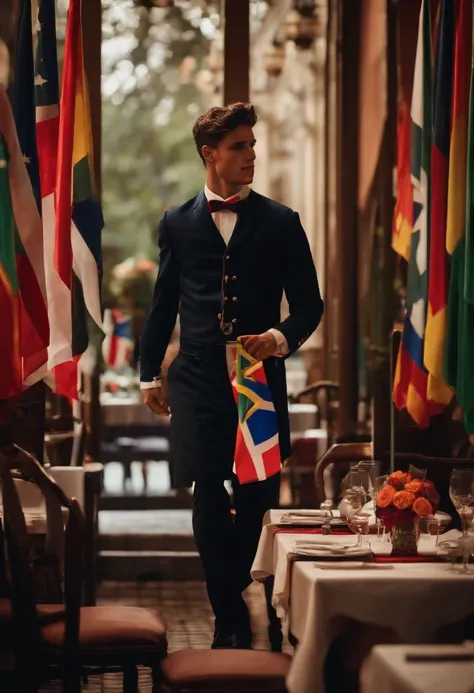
[405, 497]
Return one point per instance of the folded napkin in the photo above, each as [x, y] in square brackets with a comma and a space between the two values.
[305, 513]
[368, 509]
[307, 548]
[353, 565]
[300, 517]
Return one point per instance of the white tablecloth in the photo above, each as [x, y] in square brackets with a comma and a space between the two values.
[413, 599]
[387, 671]
[129, 411]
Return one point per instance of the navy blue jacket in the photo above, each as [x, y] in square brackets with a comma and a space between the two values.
[224, 292]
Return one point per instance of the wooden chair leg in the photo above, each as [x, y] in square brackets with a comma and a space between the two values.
[130, 679]
[275, 634]
[157, 685]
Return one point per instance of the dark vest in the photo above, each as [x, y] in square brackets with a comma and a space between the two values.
[229, 291]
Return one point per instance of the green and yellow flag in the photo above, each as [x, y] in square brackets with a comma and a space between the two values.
[459, 352]
[10, 372]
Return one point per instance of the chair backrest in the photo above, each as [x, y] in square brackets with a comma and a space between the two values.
[438, 469]
[63, 547]
[342, 455]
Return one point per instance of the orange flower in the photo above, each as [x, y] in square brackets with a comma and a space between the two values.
[385, 496]
[415, 487]
[403, 499]
[422, 507]
[398, 479]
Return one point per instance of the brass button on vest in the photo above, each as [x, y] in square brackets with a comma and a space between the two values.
[235, 298]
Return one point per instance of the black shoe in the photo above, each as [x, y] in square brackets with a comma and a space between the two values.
[233, 639]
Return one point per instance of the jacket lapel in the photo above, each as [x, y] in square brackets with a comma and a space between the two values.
[246, 221]
[203, 219]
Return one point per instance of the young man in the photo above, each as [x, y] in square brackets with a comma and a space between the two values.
[226, 257]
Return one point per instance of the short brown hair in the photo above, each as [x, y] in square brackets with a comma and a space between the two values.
[217, 122]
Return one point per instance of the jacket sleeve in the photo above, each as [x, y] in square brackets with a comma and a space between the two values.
[300, 283]
[164, 309]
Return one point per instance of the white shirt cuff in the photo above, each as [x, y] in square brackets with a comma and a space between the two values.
[281, 342]
[150, 386]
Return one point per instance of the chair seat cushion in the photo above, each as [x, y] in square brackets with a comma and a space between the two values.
[216, 671]
[112, 629]
[103, 629]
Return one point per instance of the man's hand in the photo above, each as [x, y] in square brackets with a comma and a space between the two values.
[260, 346]
[155, 399]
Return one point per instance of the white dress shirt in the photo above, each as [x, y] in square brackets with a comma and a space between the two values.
[225, 221]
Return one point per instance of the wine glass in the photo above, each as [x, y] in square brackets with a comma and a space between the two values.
[360, 525]
[466, 544]
[354, 494]
[355, 497]
[461, 492]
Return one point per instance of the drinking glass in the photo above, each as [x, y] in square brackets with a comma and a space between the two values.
[451, 550]
[427, 528]
[382, 544]
[360, 525]
[461, 492]
[354, 494]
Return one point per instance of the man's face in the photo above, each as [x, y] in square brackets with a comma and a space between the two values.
[234, 156]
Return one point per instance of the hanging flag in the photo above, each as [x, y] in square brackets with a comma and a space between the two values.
[10, 372]
[257, 449]
[435, 335]
[410, 383]
[118, 345]
[34, 327]
[459, 361]
[74, 253]
[403, 214]
[47, 131]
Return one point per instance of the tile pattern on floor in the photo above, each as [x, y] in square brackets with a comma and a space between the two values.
[185, 608]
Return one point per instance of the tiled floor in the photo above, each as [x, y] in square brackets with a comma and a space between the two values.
[185, 608]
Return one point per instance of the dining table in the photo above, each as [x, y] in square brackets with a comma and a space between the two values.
[419, 669]
[314, 594]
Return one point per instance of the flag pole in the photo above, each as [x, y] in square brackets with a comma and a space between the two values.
[394, 342]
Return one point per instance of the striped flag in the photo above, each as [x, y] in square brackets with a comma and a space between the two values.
[257, 450]
[459, 361]
[21, 274]
[435, 336]
[34, 327]
[10, 373]
[410, 383]
[72, 216]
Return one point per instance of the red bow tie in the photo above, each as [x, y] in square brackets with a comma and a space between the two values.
[233, 203]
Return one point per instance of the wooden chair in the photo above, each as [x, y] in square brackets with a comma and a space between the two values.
[438, 468]
[51, 635]
[229, 671]
[325, 394]
[341, 455]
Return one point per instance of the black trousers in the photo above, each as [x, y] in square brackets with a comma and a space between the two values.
[227, 547]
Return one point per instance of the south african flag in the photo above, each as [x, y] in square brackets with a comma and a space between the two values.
[257, 448]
